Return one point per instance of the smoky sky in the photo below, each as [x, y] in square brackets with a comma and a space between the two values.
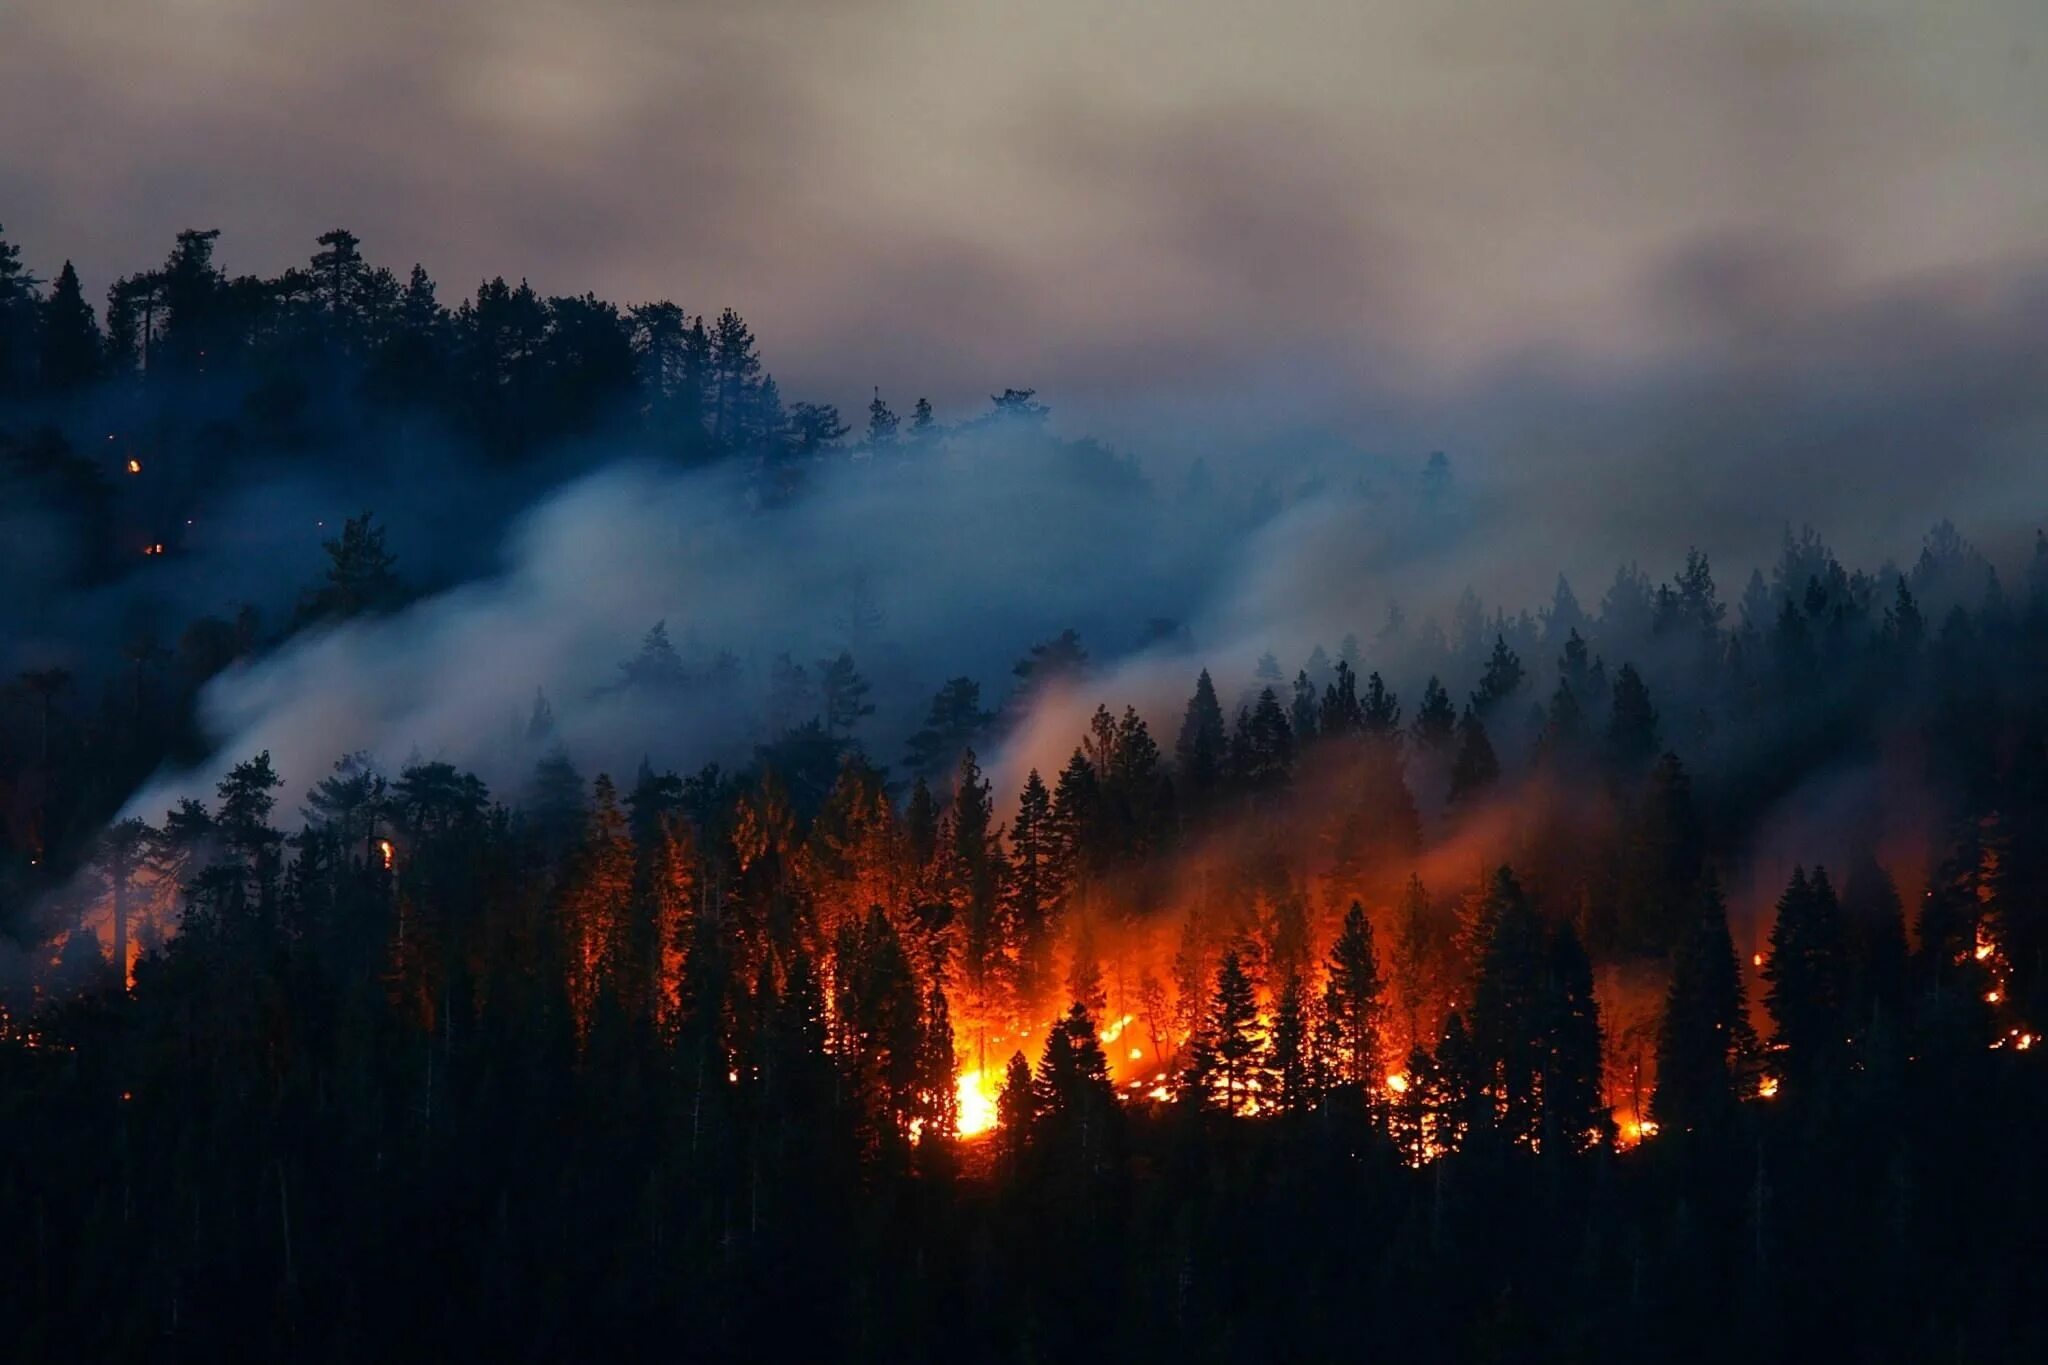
[1196, 202]
[1656, 277]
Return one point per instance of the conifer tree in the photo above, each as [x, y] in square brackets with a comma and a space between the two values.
[1632, 725]
[1016, 1112]
[882, 424]
[1575, 1116]
[1807, 974]
[1704, 1043]
[1031, 901]
[71, 352]
[1503, 676]
[937, 1104]
[1379, 714]
[1508, 1008]
[1230, 1068]
[1475, 769]
[1202, 750]
[1353, 1001]
[1436, 721]
[1295, 1069]
[843, 694]
[954, 721]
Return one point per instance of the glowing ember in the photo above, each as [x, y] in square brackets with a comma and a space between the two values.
[1397, 1082]
[134, 466]
[1767, 1088]
[1756, 959]
[389, 854]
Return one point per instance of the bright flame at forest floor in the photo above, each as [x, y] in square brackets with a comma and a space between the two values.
[977, 1093]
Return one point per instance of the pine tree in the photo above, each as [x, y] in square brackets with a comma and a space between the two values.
[1031, 894]
[1075, 842]
[359, 574]
[1807, 974]
[1475, 770]
[1353, 1002]
[1632, 725]
[1379, 714]
[1339, 712]
[1503, 676]
[1705, 1047]
[1262, 747]
[1016, 1112]
[882, 424]
[972, 881]
[1202, 750]
[735, 371]
[1296, 1073]
[953, 722]
[1436, 722]
[71, 350]
[1304, 711]
[843, 694]
[1508, 1007]
[1575, 1116]
[1076, 1107]
[341, 278]
[937, 1103]
[1230, 1068]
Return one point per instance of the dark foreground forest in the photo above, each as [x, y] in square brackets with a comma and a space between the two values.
[1657, 980]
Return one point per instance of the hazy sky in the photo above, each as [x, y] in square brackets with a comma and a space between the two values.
[1108, 200]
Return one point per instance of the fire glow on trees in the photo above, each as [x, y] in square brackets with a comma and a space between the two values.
[1264, 962]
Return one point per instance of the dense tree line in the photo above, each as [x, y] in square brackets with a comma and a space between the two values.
[612, 1067]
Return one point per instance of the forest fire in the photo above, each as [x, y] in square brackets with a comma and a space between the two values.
[977, 1098]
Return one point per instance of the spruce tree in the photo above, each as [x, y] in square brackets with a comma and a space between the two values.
[1509, 996]
[1632, 724]
[1503, 676]
[1230, 1065]
[71, 354]
[1294, 1066]
[1031, 895]
[1436, 721]
[1475, 770]
[1353, 1001]
[1575, 1115]
[1203, 747]
[1705, 1047]
[1807, 972]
